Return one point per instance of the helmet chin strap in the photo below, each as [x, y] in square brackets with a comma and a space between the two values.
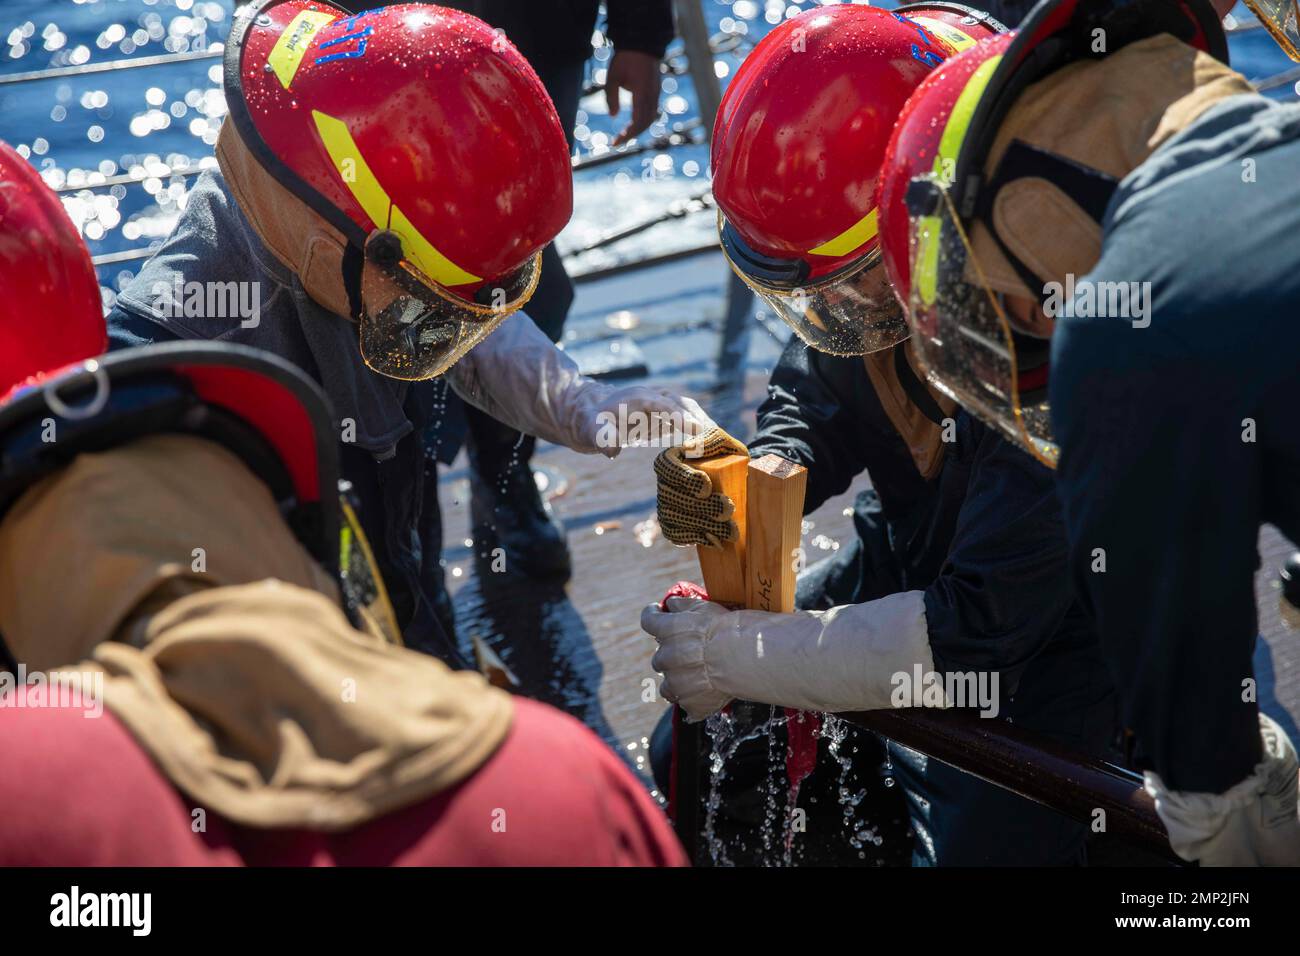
[354, 260]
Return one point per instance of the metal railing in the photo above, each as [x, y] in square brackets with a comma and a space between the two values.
[1029, 765]
[111, 66]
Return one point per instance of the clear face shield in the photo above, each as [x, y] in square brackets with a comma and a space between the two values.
[412, 328]
[1282, 19]
[962, 333]
[852, 311]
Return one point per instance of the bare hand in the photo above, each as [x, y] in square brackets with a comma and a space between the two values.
[638, 73]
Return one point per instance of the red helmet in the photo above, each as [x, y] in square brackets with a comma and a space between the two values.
[935, 190]
[53, 376]
[425, 141]
[797, 149]
[923, 144]
[51, 313]
[52, 336]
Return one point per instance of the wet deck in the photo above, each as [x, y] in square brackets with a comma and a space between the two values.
[580, 647]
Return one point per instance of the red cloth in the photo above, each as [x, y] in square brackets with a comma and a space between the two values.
[687, 589]
[79, 792]
[801, 745]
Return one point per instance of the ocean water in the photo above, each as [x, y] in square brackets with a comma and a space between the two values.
[84, 130]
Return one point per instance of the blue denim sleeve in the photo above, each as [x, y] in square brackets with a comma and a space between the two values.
[128, 330]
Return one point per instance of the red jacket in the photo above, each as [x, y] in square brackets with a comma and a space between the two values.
[76, 791]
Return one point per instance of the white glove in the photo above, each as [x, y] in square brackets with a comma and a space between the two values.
[1255, 823]
[519, 377]
[842, 659]
[607, 419]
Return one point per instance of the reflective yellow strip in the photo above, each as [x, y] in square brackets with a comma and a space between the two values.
[372, 197]
[292, 46]
[866, 228]
[954, 132]
[948, 33]
[345, 547]
[856, 235]
[926, 266]
[381, 608]
[926, 230]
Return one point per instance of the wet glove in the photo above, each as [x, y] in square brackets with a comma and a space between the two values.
[689, 510]
[519, 377]
[613, 418]
[1255, 823]
[837, 660]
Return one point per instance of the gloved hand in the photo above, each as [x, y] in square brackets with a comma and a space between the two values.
[611, 419]
[836, 660]
[689, 510]
[1255, 823]
[519, 377]
[682, 631]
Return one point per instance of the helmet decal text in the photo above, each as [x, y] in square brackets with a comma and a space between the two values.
[287, 54]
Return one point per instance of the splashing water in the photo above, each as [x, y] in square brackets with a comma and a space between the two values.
[834, 731]
[727, 733]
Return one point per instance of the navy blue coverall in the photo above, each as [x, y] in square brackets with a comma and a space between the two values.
[985, 540]
[1180, 437]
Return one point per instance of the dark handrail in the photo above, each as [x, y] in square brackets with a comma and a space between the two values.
[1029, 765]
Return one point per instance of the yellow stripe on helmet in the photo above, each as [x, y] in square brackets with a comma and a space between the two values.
[287, 54]
[954, 131]
[926, 229]
[373, 199]
[866, 228]
[858, 234]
